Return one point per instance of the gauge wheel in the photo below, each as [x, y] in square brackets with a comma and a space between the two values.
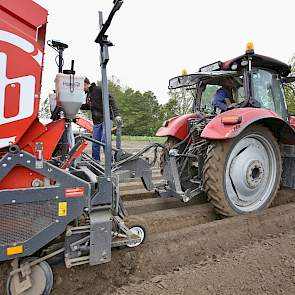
[42, 280]
[139, 228]
[242, 175]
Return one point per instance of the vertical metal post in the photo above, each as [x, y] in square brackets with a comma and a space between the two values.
[104, 58]
[60, 59]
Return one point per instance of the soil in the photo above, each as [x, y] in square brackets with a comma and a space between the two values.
[252, 254]
[266, 266]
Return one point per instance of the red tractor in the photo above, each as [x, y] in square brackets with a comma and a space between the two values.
[239, 156]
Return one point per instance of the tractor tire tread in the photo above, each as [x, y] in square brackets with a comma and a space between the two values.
[213, 172]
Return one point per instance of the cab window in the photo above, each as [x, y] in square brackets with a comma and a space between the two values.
[268, 92]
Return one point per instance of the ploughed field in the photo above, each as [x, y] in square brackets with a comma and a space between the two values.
[190, 250]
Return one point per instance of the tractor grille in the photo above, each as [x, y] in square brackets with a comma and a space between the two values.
[20, 222]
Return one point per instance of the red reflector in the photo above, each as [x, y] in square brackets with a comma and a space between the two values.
[74, 192]
[231, 120]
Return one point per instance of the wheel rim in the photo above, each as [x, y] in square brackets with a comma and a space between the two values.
[251, 173]
[42, 280]
[139, 231]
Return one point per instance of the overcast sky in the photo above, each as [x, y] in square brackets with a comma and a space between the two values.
[154, 40]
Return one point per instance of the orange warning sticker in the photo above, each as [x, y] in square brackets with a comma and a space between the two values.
[74, 192]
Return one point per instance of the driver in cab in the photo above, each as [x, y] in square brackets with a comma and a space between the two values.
[223, 99]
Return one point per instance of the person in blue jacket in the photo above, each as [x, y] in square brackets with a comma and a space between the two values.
[223, 99]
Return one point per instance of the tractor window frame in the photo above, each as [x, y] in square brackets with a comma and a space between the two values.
[274, 88]
[236, 94]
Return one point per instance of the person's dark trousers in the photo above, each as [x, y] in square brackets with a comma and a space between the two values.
[98, 134]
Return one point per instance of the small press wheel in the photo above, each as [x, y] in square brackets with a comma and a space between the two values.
[42, 280]
[138, 227]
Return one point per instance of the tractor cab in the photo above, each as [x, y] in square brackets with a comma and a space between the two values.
[257, 81]
[202, 86]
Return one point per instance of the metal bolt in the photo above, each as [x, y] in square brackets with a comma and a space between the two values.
[21, 155]
[28, 161]
[8, 158]
[69, 233]
[104, 255]
[4, 165]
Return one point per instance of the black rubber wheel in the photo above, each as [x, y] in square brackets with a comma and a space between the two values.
[42, 280]
[242, 175]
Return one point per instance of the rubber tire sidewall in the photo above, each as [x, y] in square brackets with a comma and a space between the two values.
[48, 274]
[228, 145]
[135, 221]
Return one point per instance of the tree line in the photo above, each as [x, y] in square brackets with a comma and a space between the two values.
[141, 111]
[290, 91]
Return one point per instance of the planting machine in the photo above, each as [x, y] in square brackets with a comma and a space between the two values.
[55, 201]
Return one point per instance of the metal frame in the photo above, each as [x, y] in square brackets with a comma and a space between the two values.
[55, 193]
[90, 238]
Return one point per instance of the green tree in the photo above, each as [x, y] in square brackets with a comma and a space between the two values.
[290, 90]
[44, 111]
[179, 103]
[140, 111]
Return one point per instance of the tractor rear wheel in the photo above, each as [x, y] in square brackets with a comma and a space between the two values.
[242, 175]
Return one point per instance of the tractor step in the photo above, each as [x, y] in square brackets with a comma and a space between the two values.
[288, 176]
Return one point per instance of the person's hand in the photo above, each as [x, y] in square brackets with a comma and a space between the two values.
[232, 106]
[118, 120]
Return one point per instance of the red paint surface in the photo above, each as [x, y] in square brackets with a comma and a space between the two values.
[177, 127]
[217, 130]
[84, 123]
[24, 20]
[292, 121]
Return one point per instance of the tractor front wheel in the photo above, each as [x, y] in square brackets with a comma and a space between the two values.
[242, 175]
